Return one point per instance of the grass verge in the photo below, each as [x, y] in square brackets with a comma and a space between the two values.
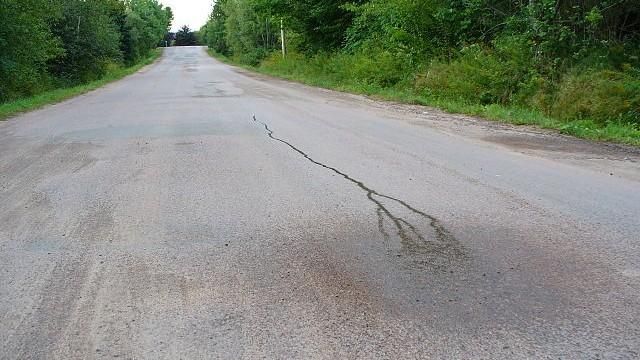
[54, 96]
[300, 70]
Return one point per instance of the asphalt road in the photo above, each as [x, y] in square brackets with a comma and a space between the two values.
[194, 210]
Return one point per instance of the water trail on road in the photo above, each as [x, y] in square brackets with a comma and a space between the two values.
[436, 251]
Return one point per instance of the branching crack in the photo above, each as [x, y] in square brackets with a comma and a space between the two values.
[440, 249]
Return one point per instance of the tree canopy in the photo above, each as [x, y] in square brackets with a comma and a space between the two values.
[562, 32]
[186, 37]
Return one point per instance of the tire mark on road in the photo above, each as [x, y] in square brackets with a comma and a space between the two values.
[438, 251]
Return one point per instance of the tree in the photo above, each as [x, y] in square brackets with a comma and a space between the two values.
[214, 33]
[27, 44]
[90, 37]
[147, 23]
[49, 43]
[186, 37]
[321, 23]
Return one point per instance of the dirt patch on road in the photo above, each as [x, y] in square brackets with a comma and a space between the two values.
[531, 141]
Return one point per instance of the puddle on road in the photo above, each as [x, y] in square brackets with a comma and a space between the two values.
[423, 237]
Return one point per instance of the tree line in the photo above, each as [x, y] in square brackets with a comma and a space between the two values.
[185, 37]
[571, 59]
[46, 44]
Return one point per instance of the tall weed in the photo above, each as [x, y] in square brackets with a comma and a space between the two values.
[483, 75]
[603, 96]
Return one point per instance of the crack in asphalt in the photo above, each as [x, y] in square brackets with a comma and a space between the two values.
[446, 247]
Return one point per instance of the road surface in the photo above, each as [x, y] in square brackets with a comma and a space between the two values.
[194, 210]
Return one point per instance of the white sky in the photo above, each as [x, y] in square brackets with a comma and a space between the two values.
[189, 12]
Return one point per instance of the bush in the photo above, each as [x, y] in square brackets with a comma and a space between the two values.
[483, 75]
[376, 67]
[602, 96]
[360, 69]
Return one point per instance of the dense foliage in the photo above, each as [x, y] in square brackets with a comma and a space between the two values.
[53, 43]
[186, 37]
[571, 59]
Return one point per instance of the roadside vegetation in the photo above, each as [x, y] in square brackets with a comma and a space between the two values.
[571, 65]
[186, 37]
[29, 103]
[55, 49]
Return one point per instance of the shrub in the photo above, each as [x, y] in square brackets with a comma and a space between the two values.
[603, 96]
[377, 67]
[361, 69]
[483, 75]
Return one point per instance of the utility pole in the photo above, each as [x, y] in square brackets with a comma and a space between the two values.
[284, 47]
[78, 28]
[266, 27]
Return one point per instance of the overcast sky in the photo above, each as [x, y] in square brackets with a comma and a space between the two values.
[189, 12]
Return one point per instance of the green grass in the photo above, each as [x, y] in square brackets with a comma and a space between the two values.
[325, 74]
[54, 96]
